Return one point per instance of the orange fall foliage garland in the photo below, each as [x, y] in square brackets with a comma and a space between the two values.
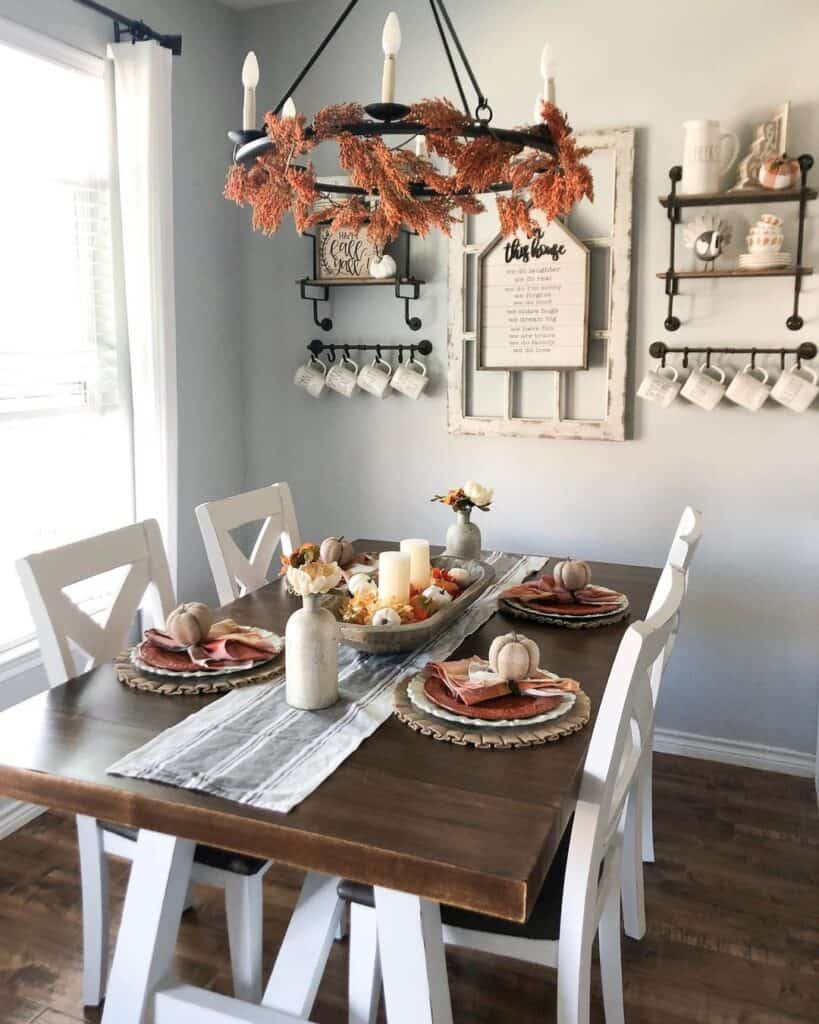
[275, 184]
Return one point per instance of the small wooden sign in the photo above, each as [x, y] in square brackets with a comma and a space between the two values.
[344, 254]
[533, 300]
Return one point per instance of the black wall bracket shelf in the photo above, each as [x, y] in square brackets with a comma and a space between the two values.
[407, 288]
[674, 204]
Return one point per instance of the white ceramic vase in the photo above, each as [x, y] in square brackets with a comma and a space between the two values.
[311, 657]
[463, 538]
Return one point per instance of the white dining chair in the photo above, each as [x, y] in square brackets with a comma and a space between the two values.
[681, 554]
[233, 573]
[64, 629]
[580, 898]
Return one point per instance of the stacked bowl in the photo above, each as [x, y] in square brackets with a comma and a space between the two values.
[764, 242]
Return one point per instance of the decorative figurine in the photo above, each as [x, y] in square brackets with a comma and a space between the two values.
[770, 139]
[780, 172]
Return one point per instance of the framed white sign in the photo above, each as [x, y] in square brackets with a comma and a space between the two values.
[344, 254]
[533, 301]
[584, 403]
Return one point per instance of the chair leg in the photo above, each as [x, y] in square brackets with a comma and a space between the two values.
[632, 882]
[646, 789]
[364, 985]
[611, 965]
[243, 905]
[189, 903]
[94, 883]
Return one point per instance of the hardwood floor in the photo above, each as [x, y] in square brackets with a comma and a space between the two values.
[733, 911]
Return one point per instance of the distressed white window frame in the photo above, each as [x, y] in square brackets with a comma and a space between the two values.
[612, 427]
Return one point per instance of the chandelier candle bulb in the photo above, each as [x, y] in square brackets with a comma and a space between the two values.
[421, 147]
[250, 79]
[289, 108]
[420, 571]
[394, 577]
[391, 44]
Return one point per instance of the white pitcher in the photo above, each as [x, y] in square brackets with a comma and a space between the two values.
[707, 155]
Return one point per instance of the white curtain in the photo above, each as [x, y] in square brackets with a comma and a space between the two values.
[142, 83]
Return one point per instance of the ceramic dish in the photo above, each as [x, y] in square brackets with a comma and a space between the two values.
[144, 666]
[415, 692]
[410, 635]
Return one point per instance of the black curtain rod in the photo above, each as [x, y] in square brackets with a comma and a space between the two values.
[137, 30]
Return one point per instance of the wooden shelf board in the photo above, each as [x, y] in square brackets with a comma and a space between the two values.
[740, 198]
[705, 275]
[343, 282]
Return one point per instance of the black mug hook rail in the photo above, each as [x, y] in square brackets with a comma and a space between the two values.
[807, 350]
[316, 347]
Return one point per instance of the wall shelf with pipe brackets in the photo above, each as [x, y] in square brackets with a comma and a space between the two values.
[406, 287]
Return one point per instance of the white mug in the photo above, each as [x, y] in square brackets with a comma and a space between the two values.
[796, 388]
[749, 390]
[374, 378]
[705, 387]
[704, 156]
[341, 376]
[410, 378]
[312, 376]
[660, 386]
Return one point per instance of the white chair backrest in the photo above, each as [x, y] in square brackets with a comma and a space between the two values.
[233, 573]
[686, 538]
[625, 717]
[58, 620]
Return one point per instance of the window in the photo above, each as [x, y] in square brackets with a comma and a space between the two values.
[65, 436]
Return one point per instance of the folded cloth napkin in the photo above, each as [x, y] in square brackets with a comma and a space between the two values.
[546, 595]
[472, 681]
[227, 645]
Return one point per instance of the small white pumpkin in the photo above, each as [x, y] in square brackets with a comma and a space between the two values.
[437, 596]
[360, 584]
[386, 617]
[337, 549]
[189, 623]
[383, 266]
[460, 576]
[572, 574]
[514, 656]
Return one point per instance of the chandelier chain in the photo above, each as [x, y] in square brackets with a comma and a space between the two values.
[483, 103]
[449, 57]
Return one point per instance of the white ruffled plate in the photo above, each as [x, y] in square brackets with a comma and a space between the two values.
[143, 666]
[415, 692]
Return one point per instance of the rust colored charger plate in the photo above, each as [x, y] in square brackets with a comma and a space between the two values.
[495, 738]
[591, 620]
[194, 686]
[510, 706]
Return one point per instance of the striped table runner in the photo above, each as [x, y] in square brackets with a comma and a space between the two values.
[251, 747]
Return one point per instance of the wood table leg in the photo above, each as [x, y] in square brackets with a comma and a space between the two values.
[307, 942]
[413, 964]
[150, 922]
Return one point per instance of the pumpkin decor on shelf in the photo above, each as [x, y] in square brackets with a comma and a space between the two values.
[514, 657]
[337, 549]
[779, 172]
[190, 623]
[383, 267]
[572, 574]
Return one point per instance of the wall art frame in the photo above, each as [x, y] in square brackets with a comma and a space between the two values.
[609, 423]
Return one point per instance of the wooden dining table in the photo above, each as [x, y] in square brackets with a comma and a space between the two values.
[425, 822]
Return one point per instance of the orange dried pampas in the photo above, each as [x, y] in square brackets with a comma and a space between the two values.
[278, 183]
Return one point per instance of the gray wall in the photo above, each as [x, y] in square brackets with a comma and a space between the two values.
[746, 667]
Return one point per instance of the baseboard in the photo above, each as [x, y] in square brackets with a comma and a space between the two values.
[15, 815]
[749, 755]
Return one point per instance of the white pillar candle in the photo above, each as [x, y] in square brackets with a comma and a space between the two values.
[393, 577]
[420, 572]
[391, 44]
[250, 79]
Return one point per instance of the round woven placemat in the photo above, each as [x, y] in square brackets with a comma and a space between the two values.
[512, 738]
[137, 679]
[517, 612]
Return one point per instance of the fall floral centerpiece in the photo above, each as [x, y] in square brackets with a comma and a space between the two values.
[463, 538]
